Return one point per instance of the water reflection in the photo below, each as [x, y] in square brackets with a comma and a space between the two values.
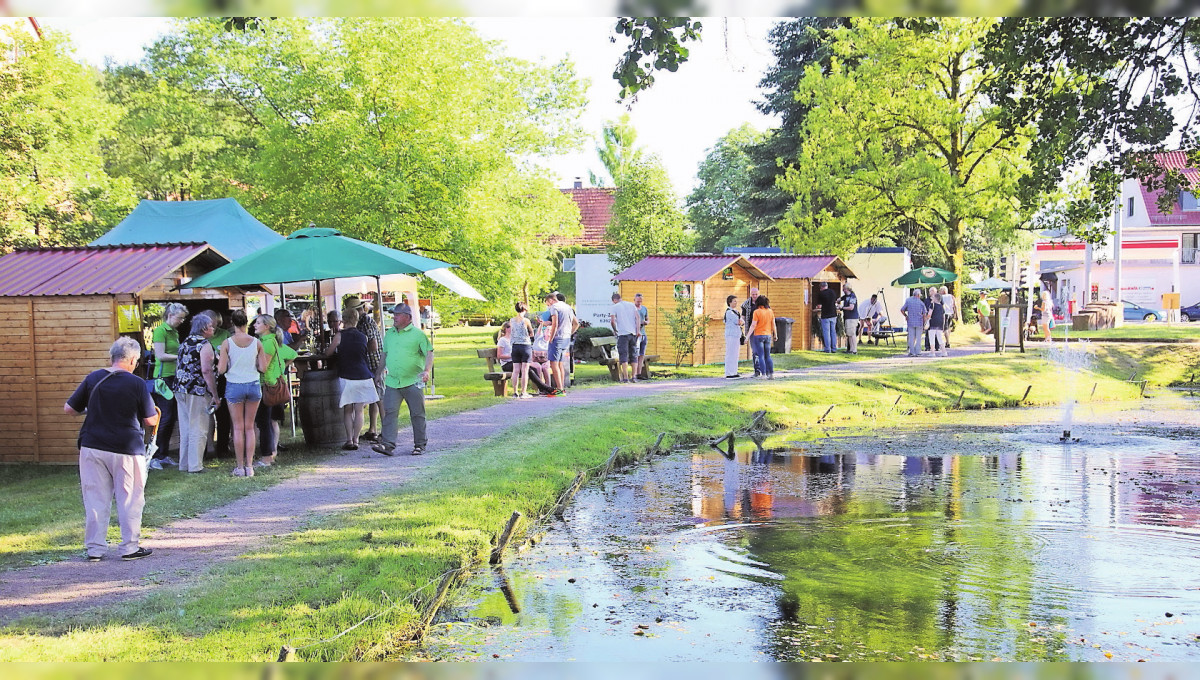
[918, 545]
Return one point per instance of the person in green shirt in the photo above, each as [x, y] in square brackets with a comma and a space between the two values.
[165, 341]
[985, 314]
[405, 366]
[268, 417]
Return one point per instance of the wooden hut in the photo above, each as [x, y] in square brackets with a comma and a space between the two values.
[791, 286]
[705, 279]
[63, 308]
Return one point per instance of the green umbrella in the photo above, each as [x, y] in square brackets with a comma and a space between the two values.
[314, 254]
[925, 276]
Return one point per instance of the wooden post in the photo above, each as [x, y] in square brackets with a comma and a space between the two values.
[506, 588]
[1026, 395]
[1021, 328]
[286, 653]
[960, 398]
[1094, 386]
[658, 442]
[827, 412]
[571, 491]
[996, 327]
[1143, 392]
[505, 535]
[440, 595]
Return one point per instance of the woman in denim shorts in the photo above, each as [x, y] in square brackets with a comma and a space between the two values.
[242, 361]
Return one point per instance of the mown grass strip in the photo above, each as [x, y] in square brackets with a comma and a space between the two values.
[385, 560]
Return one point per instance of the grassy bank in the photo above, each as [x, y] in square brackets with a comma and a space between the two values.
[383, 561]
[1136, 332]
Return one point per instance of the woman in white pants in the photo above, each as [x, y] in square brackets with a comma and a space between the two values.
[733, 337]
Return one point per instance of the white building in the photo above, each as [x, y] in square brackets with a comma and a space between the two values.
[1158, 250]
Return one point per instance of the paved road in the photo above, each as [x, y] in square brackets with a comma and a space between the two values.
[189, 546]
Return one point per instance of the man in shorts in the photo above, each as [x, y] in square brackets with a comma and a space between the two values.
[562, 326]
[639, 368]
[626, 324]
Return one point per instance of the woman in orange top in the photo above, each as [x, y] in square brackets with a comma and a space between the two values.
[762, 334]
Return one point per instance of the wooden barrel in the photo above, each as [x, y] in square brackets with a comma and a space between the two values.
[320, 415]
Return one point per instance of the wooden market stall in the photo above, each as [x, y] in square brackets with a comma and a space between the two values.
[705, 279]
[63, 308]
[792, 284]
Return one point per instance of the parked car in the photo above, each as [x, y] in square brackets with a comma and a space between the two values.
[1190, 313]
[1135, 312]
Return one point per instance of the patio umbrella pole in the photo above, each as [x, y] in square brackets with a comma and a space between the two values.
[286, 372]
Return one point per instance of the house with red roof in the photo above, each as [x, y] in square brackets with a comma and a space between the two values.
[595, 213]
[1159, 249]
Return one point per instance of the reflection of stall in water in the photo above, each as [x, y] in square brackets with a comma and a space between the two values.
[63, 307]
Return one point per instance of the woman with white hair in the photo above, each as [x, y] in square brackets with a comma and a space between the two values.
[165, 341]
[196, 392]
[1044, 311]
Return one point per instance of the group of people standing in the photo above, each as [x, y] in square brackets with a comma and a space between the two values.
[537, 350]
[217, 370]
[930, 315]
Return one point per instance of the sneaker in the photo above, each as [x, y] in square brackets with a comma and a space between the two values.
[92, 558]
[735, 376]
[383, 449]
[263, 463]
[551, 393]
[239, 472]
[155, 464]
[137, 554]
[167, 460]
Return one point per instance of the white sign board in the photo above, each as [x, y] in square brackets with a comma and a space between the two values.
[594, 288]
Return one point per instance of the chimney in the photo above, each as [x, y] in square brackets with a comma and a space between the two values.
[578, 182]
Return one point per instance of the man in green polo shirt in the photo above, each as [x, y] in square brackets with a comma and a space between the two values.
[405, 366]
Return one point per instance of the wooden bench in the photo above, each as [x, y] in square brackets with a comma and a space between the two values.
[499, 378]
[645, 374]
[607, 345]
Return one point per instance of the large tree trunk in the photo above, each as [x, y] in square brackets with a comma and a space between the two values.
[954, 245]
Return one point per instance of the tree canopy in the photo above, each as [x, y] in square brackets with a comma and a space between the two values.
[1100, 93]
[616, 150]
[646, 219]
[717, 206]
[413, 133]
[900, 136]
[53, 187]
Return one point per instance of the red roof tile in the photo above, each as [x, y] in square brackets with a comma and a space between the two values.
[684, 268]
[1172, 160]
[595, 213]
[96, 270]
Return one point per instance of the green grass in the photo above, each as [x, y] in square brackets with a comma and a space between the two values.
[1144, 332]
[382, 560]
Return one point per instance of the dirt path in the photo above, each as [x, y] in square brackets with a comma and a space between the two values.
[190, 546]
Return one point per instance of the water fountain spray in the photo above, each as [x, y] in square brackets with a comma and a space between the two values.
[1072, 359]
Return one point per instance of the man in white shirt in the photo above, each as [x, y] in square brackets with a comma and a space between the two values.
[951, 307]
[626, 324]
[562, 324]
[872, 316]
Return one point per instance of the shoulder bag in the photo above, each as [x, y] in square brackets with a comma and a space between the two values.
[277, 393]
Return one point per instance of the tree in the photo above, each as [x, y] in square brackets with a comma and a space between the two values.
[53, 188]
[687, 328]
[412, 133]
[646, 219]
[717, 206]
[901, 136]
[796, 44]
[617, 149]
[1100, 92]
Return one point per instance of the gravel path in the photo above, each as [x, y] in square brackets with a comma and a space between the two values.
[190, 546]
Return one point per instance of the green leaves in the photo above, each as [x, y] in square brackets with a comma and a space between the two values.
[53, 187]
[646, 219]
[655, 43]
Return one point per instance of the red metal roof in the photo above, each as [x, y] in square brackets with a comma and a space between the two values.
[96, 270]
[793, 266]
[685, 268]
[595, 213]
[1172, 160]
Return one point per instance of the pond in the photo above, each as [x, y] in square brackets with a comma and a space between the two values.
[952, 541]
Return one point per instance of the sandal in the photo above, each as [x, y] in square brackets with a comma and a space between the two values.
[418, 450]
[349, 446]
[370, 436]
[239, 472]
